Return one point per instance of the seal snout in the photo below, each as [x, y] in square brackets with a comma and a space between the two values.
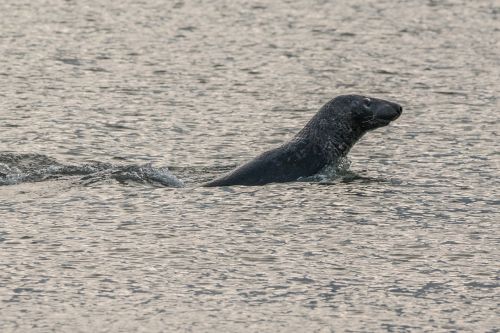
[389, 112]
[399, 109]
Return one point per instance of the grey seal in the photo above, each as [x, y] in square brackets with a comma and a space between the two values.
[325, 139]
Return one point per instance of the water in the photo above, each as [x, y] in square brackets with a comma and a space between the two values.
[105, 108]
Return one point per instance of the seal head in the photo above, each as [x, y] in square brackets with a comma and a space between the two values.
[325, 139]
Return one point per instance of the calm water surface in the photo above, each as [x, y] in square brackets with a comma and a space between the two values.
[99, 98]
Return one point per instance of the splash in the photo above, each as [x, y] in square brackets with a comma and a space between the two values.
[21, 168]
[331, 172]
[144, 174]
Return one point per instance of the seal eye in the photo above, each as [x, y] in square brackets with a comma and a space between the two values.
[367, 102]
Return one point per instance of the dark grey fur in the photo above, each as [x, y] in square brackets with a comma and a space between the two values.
[328, 137]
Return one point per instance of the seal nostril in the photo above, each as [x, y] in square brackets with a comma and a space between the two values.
[400, 109]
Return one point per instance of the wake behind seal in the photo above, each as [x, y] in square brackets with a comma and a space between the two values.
[325, 139]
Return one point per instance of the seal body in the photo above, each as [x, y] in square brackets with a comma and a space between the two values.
[325, 139]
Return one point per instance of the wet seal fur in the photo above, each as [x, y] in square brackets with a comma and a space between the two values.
[325, 139]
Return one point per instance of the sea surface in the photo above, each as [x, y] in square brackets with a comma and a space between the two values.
[112, 113]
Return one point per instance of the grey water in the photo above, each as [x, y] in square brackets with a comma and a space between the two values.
[113, 112]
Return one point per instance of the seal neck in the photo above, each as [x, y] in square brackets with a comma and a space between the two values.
[333, 136]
